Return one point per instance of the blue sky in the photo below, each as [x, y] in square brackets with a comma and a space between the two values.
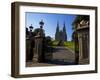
[50, 22]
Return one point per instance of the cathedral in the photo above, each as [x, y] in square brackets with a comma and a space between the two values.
[61, 35]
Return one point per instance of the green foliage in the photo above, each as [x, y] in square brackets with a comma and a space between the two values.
[70, 45]
[48, 40]
[54, 43]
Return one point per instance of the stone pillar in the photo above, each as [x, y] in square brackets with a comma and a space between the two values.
[38, 54]
[38, 49]
[88, 47]
[80, 46]
[83, 48]
[76, 48]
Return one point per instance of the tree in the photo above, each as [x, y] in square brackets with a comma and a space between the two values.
[48, 40]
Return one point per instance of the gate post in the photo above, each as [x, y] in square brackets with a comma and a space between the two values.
[38, 54]
[38, 49]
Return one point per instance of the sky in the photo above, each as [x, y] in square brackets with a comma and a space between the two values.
[50, 22]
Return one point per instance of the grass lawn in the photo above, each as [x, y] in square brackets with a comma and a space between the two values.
[54, 43]
[70, 45]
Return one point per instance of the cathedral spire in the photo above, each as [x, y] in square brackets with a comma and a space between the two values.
[57, 31]
[61, 34]
[57, 28]
[64, 32]
[57, 23]
[64, 27]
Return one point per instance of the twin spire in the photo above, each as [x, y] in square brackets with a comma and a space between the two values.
[59, 26]
[61, 35]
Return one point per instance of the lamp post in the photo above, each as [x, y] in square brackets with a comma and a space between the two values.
[41, 24]
[31, 28]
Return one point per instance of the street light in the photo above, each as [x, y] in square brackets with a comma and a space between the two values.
[41, 23]
[31, 28]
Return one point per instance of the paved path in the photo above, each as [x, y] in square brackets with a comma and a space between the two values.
[62, 53]
[31, 64]
[60, 56]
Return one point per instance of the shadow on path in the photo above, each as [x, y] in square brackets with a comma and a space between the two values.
[60, 62]
[61, 56]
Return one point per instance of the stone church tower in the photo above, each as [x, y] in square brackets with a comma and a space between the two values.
[64, 33]
[57, 32]
[61, 35]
